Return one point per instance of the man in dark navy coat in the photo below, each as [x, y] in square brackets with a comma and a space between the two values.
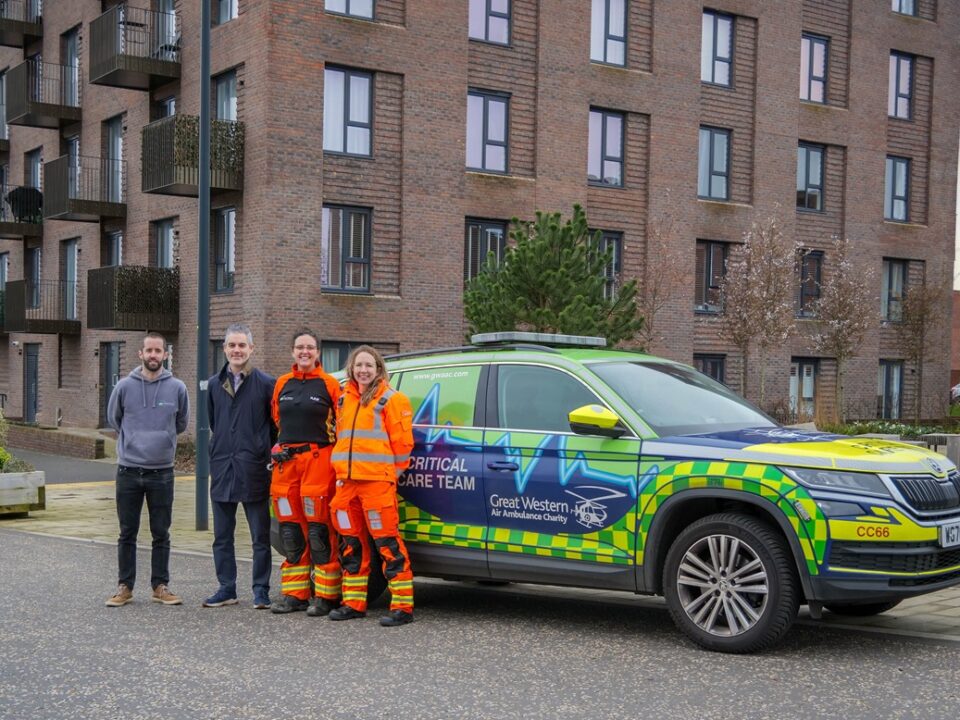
[243, 432]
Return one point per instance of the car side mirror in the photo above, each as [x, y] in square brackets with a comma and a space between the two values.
[596, 420]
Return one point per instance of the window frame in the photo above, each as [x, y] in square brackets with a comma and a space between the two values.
[225, 250]
[812, 78]
[489, 96]
[801, 364]
[495, 415]
[366, 259]
[887, 298]
[343, 348]
[711, 171]
[605, 115]
[226, 79]
[489, 12]
[347, 13]
[717, 17]
[703, 362]
[158, 225]
[607, 36]
[217, 15]
[807, 149]
[806, 299]
[886, 369]
[345, 122]
[483, 226]
[895, 87]
[613, 271]
[704, 282]
[896, 6]
[890, 196]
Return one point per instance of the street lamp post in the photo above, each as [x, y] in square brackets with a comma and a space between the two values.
[203, 272]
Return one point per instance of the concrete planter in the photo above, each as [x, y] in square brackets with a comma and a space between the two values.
[22, 492]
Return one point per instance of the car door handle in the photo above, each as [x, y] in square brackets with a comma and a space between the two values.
[503, 465]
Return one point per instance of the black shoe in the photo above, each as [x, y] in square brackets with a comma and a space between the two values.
[396, 617]
[345, 612]
[321, 606]
[288, 604]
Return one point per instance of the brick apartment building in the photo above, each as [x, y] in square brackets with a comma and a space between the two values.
[368, 153]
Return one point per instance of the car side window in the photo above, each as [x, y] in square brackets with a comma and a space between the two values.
[443, 396]
[530, 397]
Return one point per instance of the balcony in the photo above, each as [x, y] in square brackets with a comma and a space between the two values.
[19, 22]
[133, 297]
[21, 212]
[134, 48]
[47, 308]
[84, 188]
[44, 95]
[171, 156]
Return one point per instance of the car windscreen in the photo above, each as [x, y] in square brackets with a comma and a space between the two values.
[677, 400]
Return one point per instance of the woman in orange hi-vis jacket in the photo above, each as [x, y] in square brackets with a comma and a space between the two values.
[302, 484]
[374, 440]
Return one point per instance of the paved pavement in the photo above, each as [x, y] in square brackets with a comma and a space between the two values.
[60, 469]
[87, 511]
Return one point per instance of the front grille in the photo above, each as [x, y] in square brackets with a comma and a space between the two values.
[893, 557]
[926, 493]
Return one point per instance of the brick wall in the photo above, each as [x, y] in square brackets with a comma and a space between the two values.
[56, 442]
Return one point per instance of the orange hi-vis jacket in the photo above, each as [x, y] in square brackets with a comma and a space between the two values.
[373, 441]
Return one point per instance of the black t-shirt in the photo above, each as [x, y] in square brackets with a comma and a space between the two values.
[306, 412]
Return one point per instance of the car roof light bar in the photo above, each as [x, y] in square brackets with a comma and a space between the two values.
[548, 339]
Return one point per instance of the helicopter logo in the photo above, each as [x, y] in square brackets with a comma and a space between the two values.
[589, 511]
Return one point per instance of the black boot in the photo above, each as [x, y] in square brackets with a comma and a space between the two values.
[288, 604]
[345, 612]
[321, 606]
[395, 618]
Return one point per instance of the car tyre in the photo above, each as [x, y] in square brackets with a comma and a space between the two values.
[730, 583]
[866, 610]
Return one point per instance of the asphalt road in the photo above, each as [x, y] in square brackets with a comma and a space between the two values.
[474, 651]
[60, 469]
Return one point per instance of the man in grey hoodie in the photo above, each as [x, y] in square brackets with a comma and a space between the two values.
[148, 409]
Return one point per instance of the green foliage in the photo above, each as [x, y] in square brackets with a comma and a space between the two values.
[887, 427]
[552, 279]
[9, 463]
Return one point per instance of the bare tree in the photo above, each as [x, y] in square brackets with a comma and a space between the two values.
[922, 313]
[759, 292]
[844, 312]
[664, 275]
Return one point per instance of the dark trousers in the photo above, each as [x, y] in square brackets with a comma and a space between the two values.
[133, 486]
[224, 557]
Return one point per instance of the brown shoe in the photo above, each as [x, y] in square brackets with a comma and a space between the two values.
[121, 597]
[162, 594]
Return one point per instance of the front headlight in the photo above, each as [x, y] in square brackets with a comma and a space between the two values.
[841, 480]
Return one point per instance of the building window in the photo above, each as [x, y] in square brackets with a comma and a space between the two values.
[613, 242]
[225, 224]
[904, 7]
[608, 32]
[226, 96]
[347, 111]
[811, 266]
[713, 366]
[901, 85]
[33, 260]
[810, 177]
[32, 164]
[487, 123]
[893, 282]
[714, 161]
[896, 198]
[353, 8]
[710, 268]
[69, 261]
[4, 270]
[70, 52]
[482, 238]
[334, 354]
[224, 11]
[813, 68]
[889, 384]
[166, 107]
[114, 248]
[716, 50]
[345, 249]
[163, 237]
[803, 388]
[605, 148]
[490, 21]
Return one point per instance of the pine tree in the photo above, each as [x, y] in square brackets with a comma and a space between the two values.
[552, 279]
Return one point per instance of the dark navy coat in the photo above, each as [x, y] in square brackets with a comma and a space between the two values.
[243, 433]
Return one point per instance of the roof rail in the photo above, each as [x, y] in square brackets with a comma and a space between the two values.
[548, 339]
[469, 349]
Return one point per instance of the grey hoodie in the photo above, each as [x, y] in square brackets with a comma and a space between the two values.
[148, 415]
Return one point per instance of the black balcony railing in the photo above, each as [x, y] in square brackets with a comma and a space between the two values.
[19, 22]
[46, 307]
[41, 94]
[84, 188]
[21, 212]
[134, 48]
[170, 159]
[3, 309]
[133, 297]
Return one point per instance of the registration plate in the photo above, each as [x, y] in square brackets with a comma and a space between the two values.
[950, 535]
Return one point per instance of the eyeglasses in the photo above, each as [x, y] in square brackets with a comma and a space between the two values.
[304, 347]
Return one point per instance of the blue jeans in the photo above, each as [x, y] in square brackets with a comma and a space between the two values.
[133, 486]
[224, 556]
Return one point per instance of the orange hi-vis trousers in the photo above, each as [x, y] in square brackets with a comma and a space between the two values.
[300, 490]
[370, 506]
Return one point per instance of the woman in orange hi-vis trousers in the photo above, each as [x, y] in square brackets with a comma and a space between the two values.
[374, 440]
[302, 484]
